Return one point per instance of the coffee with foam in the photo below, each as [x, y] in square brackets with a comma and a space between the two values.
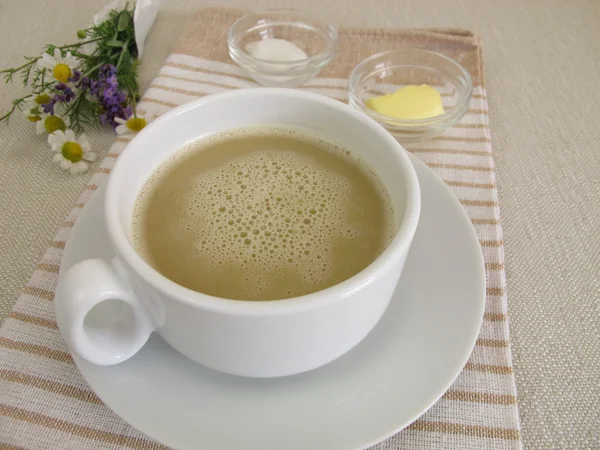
[262, 213]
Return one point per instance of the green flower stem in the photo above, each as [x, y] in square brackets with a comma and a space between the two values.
[133, 103]
[16, 69]
[79, 44]
[15, 104]
[93, 69]
[123, 50]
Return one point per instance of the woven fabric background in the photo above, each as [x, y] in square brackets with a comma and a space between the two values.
[541, 70]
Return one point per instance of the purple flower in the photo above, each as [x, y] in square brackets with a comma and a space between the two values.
[67, 93]
[64, 94]
[112, 100]
[106, 89]
[49, 107]
[108, 115]
[75, 77]
[107, 70]
[87, 83]
[108, 94]
[84, 83]
[112, 81]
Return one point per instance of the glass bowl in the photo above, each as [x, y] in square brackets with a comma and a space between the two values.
[317, 38]
[388, 71]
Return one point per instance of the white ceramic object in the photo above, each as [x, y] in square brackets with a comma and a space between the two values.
[145, 12]
[257, 339]
[400, 370]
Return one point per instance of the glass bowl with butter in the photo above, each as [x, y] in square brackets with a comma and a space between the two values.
[282, 47]
[415, 94]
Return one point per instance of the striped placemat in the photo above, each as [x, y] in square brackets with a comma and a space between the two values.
[44, 401]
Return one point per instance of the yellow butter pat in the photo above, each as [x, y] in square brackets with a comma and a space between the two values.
[409, 102]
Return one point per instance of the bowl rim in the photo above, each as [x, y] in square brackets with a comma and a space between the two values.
[322, 57]
[412, 124]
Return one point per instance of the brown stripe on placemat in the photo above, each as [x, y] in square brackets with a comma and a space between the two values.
[50, 386]
[22, 317]
[476, 221]
[208, 71]
[51, 268]
[491, 243]
[477, 111]
[493, 343]
[191, 80]
[471, 125]
[490, 368]
[481, 397]
[182, 91]
[39, 292]
[61, 244]
[196, 82]
[469, 430]
[495, 317]
[4, 446]
[159, 102]
[499, 292]
[448, 151]
[481, 203]
[460, 167]
[36, 350]
[467, 184]
[78, 430]
[494, 266]
[462, 139]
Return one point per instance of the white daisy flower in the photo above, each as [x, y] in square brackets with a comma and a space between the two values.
[133, 124]
[37, 100]
[60, 68]
[33, 109]
[49, 123]
[72, 154]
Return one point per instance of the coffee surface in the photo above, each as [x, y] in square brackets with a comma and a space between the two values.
[262, 213]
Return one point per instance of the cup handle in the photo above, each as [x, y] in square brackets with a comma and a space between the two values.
[119, 326]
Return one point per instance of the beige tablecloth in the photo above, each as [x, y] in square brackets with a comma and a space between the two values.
[542, 69]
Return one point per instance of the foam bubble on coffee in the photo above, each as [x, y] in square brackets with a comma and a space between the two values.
[267, 212]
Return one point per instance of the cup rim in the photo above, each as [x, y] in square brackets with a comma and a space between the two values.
[399, 244]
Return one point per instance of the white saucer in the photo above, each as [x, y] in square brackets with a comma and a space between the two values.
[398, 372]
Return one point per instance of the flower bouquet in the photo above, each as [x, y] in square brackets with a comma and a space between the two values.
[90, 82]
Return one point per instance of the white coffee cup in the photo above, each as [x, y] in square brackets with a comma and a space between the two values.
[256, 339]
